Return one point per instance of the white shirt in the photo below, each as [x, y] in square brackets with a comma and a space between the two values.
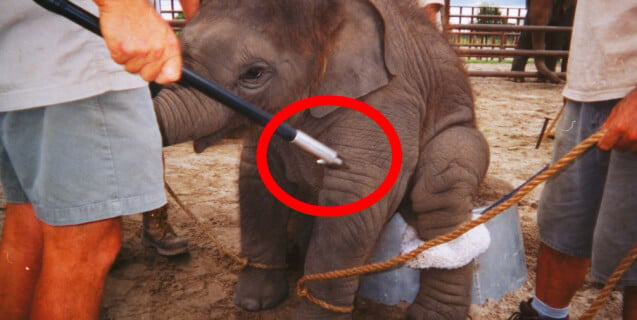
[47, 59]
[423, 3]
[602, 63]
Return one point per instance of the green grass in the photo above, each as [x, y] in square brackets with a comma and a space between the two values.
[488, 60]
[495, 60]
[486, 40]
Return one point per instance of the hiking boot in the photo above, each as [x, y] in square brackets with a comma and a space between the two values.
[158, 233]
[528, 313]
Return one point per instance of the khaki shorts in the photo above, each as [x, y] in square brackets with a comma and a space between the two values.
[590, 209]
[85, 160]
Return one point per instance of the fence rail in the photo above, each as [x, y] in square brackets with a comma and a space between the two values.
[507, 27]
[498, 41]
[510, 53]
[471, 40]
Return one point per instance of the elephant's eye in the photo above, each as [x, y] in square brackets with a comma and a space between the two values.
[253, 73]
[255, 76]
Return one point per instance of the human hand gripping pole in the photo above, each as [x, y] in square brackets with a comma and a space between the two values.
[326, 155]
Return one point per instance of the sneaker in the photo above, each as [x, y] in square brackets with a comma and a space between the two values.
[528, 313]
[158, 233]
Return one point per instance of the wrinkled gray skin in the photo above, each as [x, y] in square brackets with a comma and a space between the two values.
[383, 52]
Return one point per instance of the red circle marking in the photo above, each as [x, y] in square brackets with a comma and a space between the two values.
[328, 211]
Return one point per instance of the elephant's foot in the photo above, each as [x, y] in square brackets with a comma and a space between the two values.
[550, 77]
[445, 294]
[429, 309]
[259, 289]
[310, 311]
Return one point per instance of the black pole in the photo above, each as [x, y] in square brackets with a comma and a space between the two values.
[74, 13]
[189, 77]
[541, 137]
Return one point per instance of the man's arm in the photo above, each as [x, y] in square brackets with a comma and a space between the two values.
[140, 39]
[621, 125]
[190, 7]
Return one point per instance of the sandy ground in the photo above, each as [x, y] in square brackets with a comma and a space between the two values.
[200, 285]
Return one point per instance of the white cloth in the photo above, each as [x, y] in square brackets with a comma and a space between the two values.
[423, 3]
[450, 255]
[438, 23]
[603, 56]
[47, 59]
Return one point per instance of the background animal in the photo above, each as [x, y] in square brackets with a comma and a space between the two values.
[546, 13]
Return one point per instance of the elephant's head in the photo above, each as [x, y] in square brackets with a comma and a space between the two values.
[272, 53]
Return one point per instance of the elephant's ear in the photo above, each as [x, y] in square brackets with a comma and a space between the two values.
[355, 65]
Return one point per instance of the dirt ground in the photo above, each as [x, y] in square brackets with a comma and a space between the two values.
[200, 285]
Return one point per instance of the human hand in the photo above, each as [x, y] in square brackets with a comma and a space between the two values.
[140, 40]
[621, 126]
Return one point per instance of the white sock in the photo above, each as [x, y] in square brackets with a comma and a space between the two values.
[545, 310]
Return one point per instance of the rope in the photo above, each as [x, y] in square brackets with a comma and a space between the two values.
[488, 214]
[302, 290]
[626, 262]
[242, 261]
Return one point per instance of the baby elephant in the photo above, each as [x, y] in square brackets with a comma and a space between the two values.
[383, 52]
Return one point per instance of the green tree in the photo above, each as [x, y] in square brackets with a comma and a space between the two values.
[490, 15]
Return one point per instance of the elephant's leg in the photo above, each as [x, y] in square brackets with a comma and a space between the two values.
[539, 14]
[519, 62]
[452, 302]
[552, 43]
[338, 243]
[452, 166]
[263, 241]
[564, 65]
[524, 43]
[348, 241]
[565, 42]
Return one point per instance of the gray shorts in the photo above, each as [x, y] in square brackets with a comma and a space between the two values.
[590, 209]
[85, 160]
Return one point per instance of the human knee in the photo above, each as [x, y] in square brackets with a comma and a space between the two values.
[96, 242]
[21, 229]
[109, 245]
[106, 242]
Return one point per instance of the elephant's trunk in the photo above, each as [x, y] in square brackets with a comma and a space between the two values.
[540, 64]
[539, 43]
[185, 114]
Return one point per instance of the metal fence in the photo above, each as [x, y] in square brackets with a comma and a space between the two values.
[169, 9]
[471, 38]
[494, 41]
[464, 31]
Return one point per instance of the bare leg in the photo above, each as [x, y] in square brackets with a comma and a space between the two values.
[20, 263]
[75, 262]
[559, 276]
[630, 303]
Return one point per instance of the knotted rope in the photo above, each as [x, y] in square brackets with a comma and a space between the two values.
[303, 291]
